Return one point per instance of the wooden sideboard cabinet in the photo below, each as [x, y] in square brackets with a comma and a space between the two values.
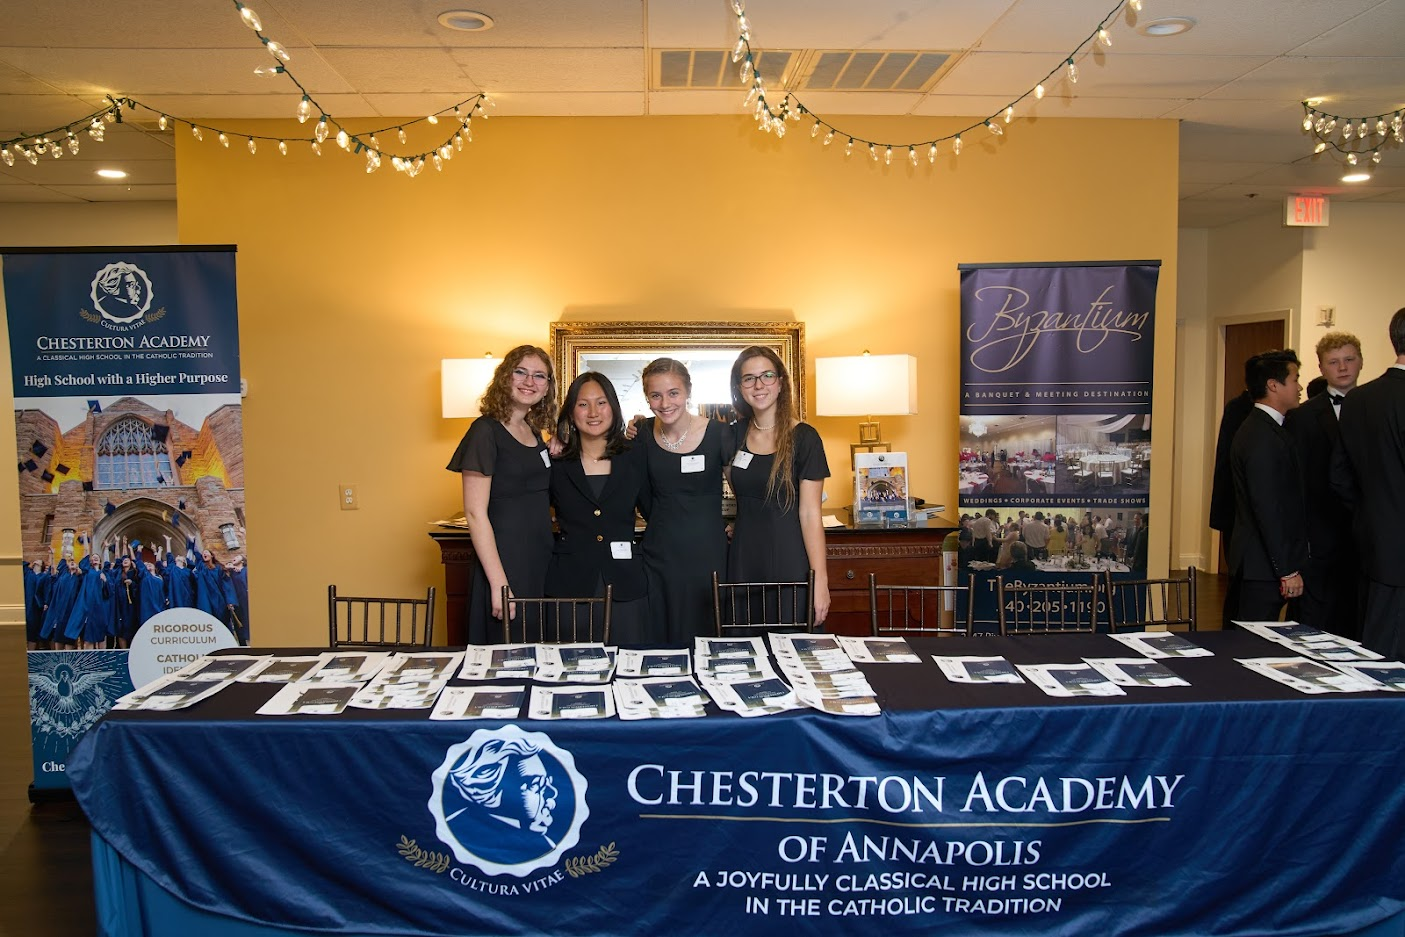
[909, 556]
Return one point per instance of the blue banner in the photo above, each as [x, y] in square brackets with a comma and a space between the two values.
[1056, 377]
[129, 437]
[1186, 818]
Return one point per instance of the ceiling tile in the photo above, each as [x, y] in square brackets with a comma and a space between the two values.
[121, 193]
[516, 23]
[33, 193]
[1125, 76]
[570, 104]
[377, 71]
[527, 70]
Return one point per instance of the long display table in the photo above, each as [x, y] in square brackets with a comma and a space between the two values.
[1234, 806]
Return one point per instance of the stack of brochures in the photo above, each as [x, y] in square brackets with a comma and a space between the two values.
[1309, 641]
[1159, 645]
[737, 674]
[978, 669]
[878, 650]
[480, 702]
[660, 698]
[409, 681]
[571, 702]
[822, 674]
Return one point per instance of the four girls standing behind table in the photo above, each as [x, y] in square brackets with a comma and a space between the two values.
[662, 589]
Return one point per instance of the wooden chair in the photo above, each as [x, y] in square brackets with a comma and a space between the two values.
[1050, 608]
[1142, 604]
[754, 607]
[379, 622]
[898, 610]
[555, 620]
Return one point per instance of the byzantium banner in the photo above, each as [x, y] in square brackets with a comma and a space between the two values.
[1056, 376]
[129, 442]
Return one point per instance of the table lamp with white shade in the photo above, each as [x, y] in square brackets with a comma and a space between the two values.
[866, 385]
[462, 382]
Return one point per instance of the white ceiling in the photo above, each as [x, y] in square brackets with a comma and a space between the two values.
[1234, 82]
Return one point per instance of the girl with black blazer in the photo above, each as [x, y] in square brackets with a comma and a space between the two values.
[596, 482]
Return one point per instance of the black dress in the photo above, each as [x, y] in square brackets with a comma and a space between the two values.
[685, 541]
[519, 509]
[767, 545]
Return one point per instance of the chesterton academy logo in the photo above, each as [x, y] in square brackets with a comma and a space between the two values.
[121, 293]
[508, 802]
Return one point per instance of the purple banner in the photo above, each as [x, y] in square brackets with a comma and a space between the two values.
[1056, 377]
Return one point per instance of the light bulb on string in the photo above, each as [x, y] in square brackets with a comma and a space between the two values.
[1039, 91]
[283, 147]
[829, 138]
[304, 109]
[1319, 125]
[1346, 131]
[743, 27]
[815, 130]
[433, 118]
[1351, 159]
[7, 156]
[1307, 122]
[446, 152]
[738, 7]
[162, 122]
[956, 145]
[1104, 38]
[1376, 158]
[873, 152]
[458, 142]
[319, 133]
[739, 49]
[400, 133]
[1319, 147]
[375, 144]
[932, 153]
[195, 132]
[438, 163]
[888, 156]
[253, 147]
[1136, 5]
[276, 50]
[316, 148]
[1380, 126]
[269, 70]
[849, 147]
[224, 141]
[1331, 125]
[1009, 113]
[32, 156]
[72, 144]
[746, 72]
[1072, 72]
[751, 96]
[994, 128]
[478, 108]
[370, 161]
[250, 18]
[912, 155]
[343, 139]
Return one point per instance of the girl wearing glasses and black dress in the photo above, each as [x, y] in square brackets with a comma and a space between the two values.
[506, 477]
[778, 475]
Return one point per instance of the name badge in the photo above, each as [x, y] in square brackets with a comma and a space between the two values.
[621, 549]
[693, 463]
[546, 457]
[741, 460]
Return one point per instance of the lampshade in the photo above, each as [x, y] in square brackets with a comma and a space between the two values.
[866, 385]
[462, 382]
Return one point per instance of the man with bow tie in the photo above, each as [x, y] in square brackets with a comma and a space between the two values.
[1332, 576]
[1369, 471]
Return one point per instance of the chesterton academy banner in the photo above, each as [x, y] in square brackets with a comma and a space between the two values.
[1061, 820]
[1056, 376]
[129, 437]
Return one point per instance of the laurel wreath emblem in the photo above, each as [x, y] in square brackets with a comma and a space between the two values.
[422, 858]
[92, 317]
[576, 866]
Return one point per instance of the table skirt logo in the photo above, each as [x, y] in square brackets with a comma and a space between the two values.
[121, 294]
[508, 802]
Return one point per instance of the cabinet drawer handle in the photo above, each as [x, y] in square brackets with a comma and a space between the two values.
[849, 574]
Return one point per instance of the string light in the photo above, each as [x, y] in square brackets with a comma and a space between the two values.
[1360, 137]
[771, 118]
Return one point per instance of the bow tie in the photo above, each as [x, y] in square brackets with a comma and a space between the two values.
[1336, 399]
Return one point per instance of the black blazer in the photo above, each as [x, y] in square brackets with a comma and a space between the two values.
[587, 525]
[1270, 523]
[1316, 434]
[1222, 490]
[1370, 472]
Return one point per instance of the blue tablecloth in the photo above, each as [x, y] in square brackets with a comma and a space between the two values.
[1233, 806]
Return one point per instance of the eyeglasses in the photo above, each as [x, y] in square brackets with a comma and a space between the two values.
[765, 378]
[539, 377]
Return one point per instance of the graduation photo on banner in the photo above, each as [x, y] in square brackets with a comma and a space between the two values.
[1055, 421]
[129, 436]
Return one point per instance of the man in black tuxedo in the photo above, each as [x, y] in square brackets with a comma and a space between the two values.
[1222, 490]
[1269, 548]
[1332, 572]
[1369, 472]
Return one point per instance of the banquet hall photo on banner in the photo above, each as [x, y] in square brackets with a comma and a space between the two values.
[1104, 454]
[1008, 456]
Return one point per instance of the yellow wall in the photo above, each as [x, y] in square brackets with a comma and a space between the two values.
[352, 287]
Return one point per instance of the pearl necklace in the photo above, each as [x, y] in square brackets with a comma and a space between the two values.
[764, 429]
[675, 446]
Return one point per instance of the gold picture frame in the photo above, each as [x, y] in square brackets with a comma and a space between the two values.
[622, 349]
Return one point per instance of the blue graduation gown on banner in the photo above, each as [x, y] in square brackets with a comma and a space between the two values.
[180, 585]
[88, 619]
[209, 590]
[61, 595]
[153, 593]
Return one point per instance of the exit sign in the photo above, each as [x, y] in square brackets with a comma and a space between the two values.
[1306, 211]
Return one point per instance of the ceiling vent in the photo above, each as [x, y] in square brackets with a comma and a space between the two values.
[713, 69]
[802, 70]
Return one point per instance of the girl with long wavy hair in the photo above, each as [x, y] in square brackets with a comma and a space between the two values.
[506, 477]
